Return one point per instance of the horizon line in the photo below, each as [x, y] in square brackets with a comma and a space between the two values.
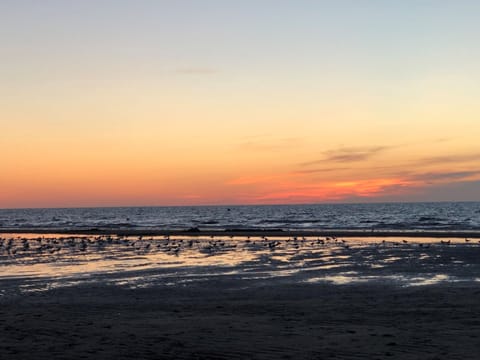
[236, 205]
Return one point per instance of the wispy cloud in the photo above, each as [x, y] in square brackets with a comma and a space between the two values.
[335, 191]
[348, 155]
[249, 180]
[453, 158]
[337, 183]
[440, 176]
[270, 144]
[442, 140]
[195, 71]
[321, 170]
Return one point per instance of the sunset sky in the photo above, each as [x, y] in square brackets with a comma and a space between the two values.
[115, 102]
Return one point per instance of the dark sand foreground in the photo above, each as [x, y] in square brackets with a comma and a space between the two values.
[104, 298]
[216, 320]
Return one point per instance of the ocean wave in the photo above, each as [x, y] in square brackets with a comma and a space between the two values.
[422, 216]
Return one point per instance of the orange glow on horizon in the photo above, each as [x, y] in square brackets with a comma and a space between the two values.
[182, 186]
[234, 107]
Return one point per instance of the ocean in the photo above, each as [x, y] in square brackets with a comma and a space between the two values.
[32, 261]
[379, 216]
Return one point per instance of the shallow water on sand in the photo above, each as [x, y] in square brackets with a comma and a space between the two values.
[30, 262]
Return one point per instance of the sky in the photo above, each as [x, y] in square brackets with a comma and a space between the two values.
[190, 102]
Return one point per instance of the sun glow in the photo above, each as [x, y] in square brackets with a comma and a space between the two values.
[157, 110]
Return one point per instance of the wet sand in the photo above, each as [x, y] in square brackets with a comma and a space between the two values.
[297, 300]
[196, 232]
[265, 321]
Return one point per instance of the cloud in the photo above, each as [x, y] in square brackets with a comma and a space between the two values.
[442, 140]
[444, 176]
[321, 170]
[347, 155]
[270, 145]
[195, 71]
[332, 191]
[454, 191]
[284, 189]
[254, 179]
[455, 158]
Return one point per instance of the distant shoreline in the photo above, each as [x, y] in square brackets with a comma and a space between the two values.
[248, 232]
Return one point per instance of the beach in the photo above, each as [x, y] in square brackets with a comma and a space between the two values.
[216, 321]
[239, 297]
[230, 180]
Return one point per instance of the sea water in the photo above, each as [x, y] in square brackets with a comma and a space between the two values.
[382, 216]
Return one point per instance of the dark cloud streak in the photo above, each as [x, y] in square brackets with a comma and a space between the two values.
[450, 159]
[440, 176]
[348, 155]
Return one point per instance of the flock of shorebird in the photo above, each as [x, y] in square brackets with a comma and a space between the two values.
[19, 247]
[46, 245]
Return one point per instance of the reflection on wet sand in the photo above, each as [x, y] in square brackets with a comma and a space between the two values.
[51, 260]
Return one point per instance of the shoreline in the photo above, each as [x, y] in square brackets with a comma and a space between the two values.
[106, 297]
[195, 232]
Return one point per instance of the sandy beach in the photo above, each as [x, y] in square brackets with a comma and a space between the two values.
[239, 298]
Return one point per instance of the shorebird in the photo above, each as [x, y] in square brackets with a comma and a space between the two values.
[272, 245]
[83, 245]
